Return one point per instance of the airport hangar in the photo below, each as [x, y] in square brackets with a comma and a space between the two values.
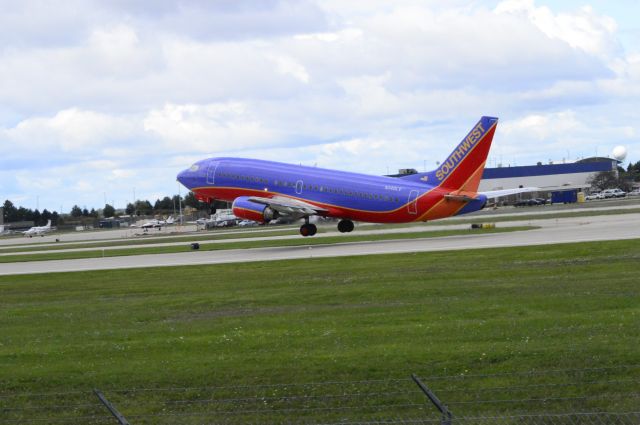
[574, 175]
[570, 175]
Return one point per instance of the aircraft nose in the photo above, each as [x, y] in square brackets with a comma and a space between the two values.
[183, 177]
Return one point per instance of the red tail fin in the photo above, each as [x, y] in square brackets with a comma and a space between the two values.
[462, 170]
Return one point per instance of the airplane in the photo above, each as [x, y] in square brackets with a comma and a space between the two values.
[265, 190]
[38, 230]
[157, 224]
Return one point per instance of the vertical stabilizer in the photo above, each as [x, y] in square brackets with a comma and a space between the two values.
[462, 169]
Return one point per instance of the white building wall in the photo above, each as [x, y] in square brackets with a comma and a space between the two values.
[576, 179]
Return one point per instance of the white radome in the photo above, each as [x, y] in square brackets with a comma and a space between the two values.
[620, 153]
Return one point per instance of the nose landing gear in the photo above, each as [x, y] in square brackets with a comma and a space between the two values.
[345, 226]
[308, 229]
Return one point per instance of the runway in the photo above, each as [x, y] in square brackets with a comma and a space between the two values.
[128, 234]
[552, 231]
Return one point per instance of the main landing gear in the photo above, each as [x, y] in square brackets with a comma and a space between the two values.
[345, 226]
[308, 229]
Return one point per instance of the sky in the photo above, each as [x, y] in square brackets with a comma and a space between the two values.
[104, 101]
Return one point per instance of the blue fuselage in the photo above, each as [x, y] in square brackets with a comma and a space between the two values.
[342, 194]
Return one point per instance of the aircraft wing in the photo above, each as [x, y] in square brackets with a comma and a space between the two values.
[289, 206]
[506, 192]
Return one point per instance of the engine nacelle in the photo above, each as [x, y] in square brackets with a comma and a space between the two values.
[249, 210]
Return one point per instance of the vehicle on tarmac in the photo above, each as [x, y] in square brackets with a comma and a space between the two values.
[247, 223]
[614, 193]
[634, 192]
[530, 202]
[593, 196]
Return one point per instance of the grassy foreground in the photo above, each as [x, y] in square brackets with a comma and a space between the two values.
[478, 312]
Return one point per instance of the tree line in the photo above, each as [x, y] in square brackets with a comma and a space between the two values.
[166, 205]
[13, 214]
[623, 180]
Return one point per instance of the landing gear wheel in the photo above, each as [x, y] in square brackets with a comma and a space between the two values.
[308, 229]
[345, 226]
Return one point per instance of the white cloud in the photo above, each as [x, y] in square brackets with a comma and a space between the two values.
[68, 131]
[206, 128]
[584, 29]
[289, 66]
[542, 127]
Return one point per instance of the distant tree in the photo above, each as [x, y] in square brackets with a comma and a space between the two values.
[143, 207]
[37, 218]
[10, 211]
[24, 214]
[166, 204]
[221, 204]
[130, 209]
[108, 211]
[633, 171]
[55, 218]
[603, 180]
[609, 180]
[93, 213]
[85, 212]
[76, 211]
[45, 216]
[191, 201]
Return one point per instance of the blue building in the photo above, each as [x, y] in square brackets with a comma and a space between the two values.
[575, 174]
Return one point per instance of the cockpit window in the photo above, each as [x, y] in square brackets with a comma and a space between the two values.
[194, 167]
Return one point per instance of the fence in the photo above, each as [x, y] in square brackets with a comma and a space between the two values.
[609, 395]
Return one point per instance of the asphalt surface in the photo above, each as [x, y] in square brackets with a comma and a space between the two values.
[162, 236]
[552, 231]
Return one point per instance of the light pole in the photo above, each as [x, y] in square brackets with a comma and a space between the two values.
[180, 204]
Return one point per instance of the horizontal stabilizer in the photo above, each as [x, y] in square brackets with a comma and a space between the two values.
[461, 198]
[491, 194]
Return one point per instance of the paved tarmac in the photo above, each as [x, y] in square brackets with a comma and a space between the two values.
[582, 229]
[129, 234]
[232, 237]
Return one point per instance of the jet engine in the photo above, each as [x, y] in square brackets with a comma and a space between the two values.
[249, 210]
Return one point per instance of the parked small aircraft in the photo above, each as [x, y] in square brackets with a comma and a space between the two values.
[38, 230]
[157, 224]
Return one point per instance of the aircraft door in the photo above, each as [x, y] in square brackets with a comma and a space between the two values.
[211, 172]
[299, 187]
[412, 206]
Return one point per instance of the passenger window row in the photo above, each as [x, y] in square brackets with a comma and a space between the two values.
[316, 188]
[338, 191]
[251, 179]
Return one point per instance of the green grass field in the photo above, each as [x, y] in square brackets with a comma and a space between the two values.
[493, 314]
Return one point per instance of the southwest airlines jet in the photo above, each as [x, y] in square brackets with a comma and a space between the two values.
[264, 190]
